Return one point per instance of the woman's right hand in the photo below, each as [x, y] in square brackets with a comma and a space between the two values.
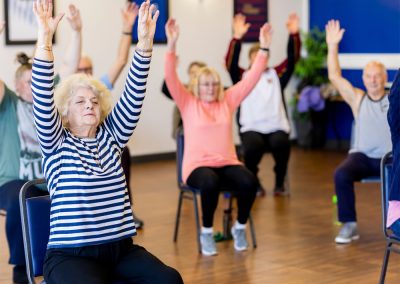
[148, 15]
[239, 25]
[43, 10]
[172, 32]
[265, 35]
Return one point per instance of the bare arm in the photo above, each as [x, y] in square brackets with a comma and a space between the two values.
[74, 49]
[128, 15]
[351, 95]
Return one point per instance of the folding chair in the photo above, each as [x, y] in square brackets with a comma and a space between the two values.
[392, 241]
[191, 193]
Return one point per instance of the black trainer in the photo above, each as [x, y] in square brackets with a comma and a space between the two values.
[19, 275]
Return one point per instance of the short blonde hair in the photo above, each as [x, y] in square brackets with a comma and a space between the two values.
[254, 48]
[206, 71]
[68, 88]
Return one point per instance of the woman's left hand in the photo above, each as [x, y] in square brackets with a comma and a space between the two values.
[148, 16]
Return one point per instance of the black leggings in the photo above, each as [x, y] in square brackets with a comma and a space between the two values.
[211, 181]
[255, 144]
[106, 263]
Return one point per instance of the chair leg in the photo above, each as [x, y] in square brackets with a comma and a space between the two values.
[178, 215]
[227, 220]
[252, 231]
[385, 263]
[196, 212]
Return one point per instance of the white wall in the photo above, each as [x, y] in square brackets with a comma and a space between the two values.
[205, 33]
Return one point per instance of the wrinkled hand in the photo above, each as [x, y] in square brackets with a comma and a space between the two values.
[172, 31]
[74, 18]
[43, 10]
[334, 33]
[265, 35]
[293, 23]
[128, 15]
[148, 16]
[2, 26]
[240, 27]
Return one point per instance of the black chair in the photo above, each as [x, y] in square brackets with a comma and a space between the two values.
[35, 219]
[191, 193]
[392, 241]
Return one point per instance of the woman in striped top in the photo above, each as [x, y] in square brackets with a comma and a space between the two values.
[91, 222]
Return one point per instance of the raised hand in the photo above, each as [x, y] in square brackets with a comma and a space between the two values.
[74, 18]
[148, 16]
[239, 25]
[293, 23]
[128, 15]
[334, 33]
[43, 10]
[2, 25]
[172, 32]
[265, 35]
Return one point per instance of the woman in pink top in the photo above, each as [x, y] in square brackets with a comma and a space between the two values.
[210, 158]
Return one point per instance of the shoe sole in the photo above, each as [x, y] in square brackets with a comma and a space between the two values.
[240, 249]
[208, 253]
[346, 241]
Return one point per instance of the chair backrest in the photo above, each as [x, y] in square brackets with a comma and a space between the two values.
[35, 217]
[386, 180]
[180, 142]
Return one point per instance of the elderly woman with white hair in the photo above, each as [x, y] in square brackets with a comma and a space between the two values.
[91, 222]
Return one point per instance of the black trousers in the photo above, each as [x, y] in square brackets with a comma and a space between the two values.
[254, 146]
[104, 264]
[211, 181]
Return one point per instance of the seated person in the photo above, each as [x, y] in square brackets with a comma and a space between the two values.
[371, 131]
[81, 139]
[262, 119]
[210, 158]
[393, 218]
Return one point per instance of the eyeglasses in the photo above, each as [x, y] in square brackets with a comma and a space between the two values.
[209, 84]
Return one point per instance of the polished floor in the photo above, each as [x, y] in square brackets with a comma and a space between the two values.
[295, 235]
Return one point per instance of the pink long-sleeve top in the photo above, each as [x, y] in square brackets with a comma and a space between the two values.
[208, 126]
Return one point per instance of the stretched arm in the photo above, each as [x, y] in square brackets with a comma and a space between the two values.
[176, 89]
[47, 119]
[235, 94]
[72, 56]
[124, 117]
[351, 95]
[240, 28]
[128, 15]
[285, 70]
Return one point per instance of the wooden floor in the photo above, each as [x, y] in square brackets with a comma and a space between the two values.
[295, 235]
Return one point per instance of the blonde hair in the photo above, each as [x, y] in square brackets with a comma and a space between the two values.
[199, 64]
[68, 88]
[206, 71]
[254, 48]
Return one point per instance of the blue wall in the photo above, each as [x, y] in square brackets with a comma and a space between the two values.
[372, 26]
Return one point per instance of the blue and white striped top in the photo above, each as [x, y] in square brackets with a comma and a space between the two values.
[89, 198]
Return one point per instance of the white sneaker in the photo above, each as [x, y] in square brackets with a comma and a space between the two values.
[347, 233]
[207, 244]
[239, 239]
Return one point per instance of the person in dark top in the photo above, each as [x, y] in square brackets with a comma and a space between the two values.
[262, 118]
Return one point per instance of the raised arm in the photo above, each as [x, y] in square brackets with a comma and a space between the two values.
[47, 119]
[351, 95]
[72, 56]
[235, 94]
[240, 28]
[128, 16]
[286, 68]
[125, 115]
[176, 89]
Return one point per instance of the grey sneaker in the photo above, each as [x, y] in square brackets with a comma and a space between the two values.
[207, 244]
[239, 239]
[347, 233]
